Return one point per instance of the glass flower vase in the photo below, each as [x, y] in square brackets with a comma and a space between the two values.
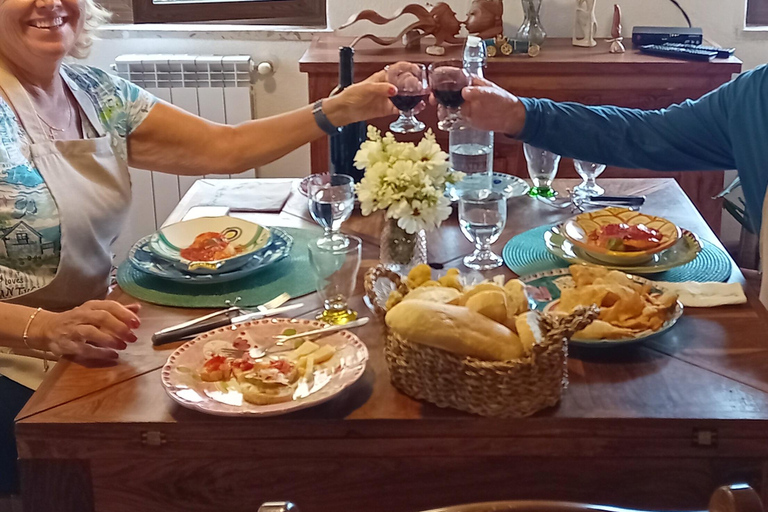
[531, 29]
[401, 251]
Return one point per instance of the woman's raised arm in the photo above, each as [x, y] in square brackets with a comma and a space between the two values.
[174, 141]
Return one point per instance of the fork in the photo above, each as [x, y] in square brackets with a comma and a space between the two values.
[281, 338]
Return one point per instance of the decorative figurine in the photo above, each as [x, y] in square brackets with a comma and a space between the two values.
[616, 42]
[585, 28]
[484, 18]
[440, 21]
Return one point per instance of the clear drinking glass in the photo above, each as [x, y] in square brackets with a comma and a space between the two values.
[589, 172]
[331, 201]
[482, 217]
[335, 270]
[542, 168]
[446, 80]
[412, 88]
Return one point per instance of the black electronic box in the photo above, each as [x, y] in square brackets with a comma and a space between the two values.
[660, 35]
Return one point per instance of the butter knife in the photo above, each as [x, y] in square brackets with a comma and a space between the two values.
[180, 332]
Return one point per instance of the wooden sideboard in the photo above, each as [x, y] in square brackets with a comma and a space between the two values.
[561, 72]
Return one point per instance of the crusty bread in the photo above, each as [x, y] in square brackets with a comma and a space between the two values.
[529, 330]
[491, 304]
[455, 329]
[439, 294]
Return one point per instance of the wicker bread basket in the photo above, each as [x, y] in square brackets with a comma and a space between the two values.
[488, 388]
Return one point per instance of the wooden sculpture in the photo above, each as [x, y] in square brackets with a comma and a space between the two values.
[485, 18]
[616, 39]
[440, 21]
[585, 27]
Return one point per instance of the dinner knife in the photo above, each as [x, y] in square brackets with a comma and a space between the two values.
[179, 332]
[630, 200]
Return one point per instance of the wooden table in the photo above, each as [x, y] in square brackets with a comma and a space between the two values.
[561, 72]
[658, 425]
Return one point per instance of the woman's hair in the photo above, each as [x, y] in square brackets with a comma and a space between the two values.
[94, 16]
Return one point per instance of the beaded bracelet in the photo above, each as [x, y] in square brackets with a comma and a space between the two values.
[25, 337]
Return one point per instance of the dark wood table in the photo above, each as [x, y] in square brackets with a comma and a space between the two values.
[658, 425]
[561, 72]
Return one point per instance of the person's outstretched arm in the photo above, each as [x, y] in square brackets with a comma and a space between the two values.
[694, 135]
[174, 141]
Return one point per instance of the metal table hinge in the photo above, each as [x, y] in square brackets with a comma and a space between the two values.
[705, 437]
[153, 438]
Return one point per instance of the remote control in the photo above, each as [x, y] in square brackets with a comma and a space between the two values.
[722, 53]
[679, 53]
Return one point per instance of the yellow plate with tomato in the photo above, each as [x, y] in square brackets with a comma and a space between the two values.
[619, 236]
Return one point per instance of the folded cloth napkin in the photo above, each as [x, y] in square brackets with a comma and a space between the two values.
[265, 195]
[705, 295]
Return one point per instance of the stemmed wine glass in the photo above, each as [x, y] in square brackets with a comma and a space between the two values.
[542, 168]
[589, 172]
[412, 88]
[331, 201]
[447, 79]
[482, 216]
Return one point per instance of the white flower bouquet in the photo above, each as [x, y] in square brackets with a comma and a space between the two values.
[406, 180]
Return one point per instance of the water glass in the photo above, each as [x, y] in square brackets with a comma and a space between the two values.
[482, 216]
[589, 172]
[335, 270]
[542, 168]
[446, 80]
[331, 201]
[412, 89]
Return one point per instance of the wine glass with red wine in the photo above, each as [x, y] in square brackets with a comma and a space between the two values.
[412, 88]
[447, 79]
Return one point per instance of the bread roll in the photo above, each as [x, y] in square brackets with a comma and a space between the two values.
[435, 294]
[529, 330]
[455, 329]
[517, 299]
[482, 287]
[491, 304]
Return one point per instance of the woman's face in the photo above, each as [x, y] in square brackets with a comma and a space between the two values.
[39, 31]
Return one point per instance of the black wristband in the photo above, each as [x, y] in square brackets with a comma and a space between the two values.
[322, 120]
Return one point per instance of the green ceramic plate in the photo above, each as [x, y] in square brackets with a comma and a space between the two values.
[684, 251]
[544, 289]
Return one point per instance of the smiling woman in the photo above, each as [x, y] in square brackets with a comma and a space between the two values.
[67, 135]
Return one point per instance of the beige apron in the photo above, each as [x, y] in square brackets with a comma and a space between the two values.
[92, 190]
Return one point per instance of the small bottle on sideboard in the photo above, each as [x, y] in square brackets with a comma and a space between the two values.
[344, 145]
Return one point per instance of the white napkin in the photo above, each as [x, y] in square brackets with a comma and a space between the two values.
[27, 371]
[705, 295]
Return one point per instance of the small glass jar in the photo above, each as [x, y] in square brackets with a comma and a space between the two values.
[401, 251]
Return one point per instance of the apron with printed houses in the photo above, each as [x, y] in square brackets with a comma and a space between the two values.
[91, 187]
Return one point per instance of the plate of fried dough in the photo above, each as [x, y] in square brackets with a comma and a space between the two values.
[632, 310]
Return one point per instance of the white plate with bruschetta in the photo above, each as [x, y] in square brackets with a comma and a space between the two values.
[225, 372]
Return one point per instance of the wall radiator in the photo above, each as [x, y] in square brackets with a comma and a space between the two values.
[218, 88]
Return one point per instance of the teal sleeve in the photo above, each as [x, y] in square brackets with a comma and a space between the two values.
[693, 135]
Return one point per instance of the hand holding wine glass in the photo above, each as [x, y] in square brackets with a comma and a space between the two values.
[412, 89]
[447, 79]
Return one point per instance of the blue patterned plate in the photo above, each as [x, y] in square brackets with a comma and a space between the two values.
[544, 290]
[145, 260]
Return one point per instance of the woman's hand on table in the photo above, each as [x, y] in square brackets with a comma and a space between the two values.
[365, 100]
[97, 330]
[489, 107]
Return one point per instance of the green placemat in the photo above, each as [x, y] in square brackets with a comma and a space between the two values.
[293, 275]
[527, 254]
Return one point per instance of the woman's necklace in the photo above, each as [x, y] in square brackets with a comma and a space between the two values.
[53, 130]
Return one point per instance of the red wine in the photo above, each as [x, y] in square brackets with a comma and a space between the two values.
[406, 102]
[449, 98]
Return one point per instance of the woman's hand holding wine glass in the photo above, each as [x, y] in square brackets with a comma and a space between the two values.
[412, 89]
